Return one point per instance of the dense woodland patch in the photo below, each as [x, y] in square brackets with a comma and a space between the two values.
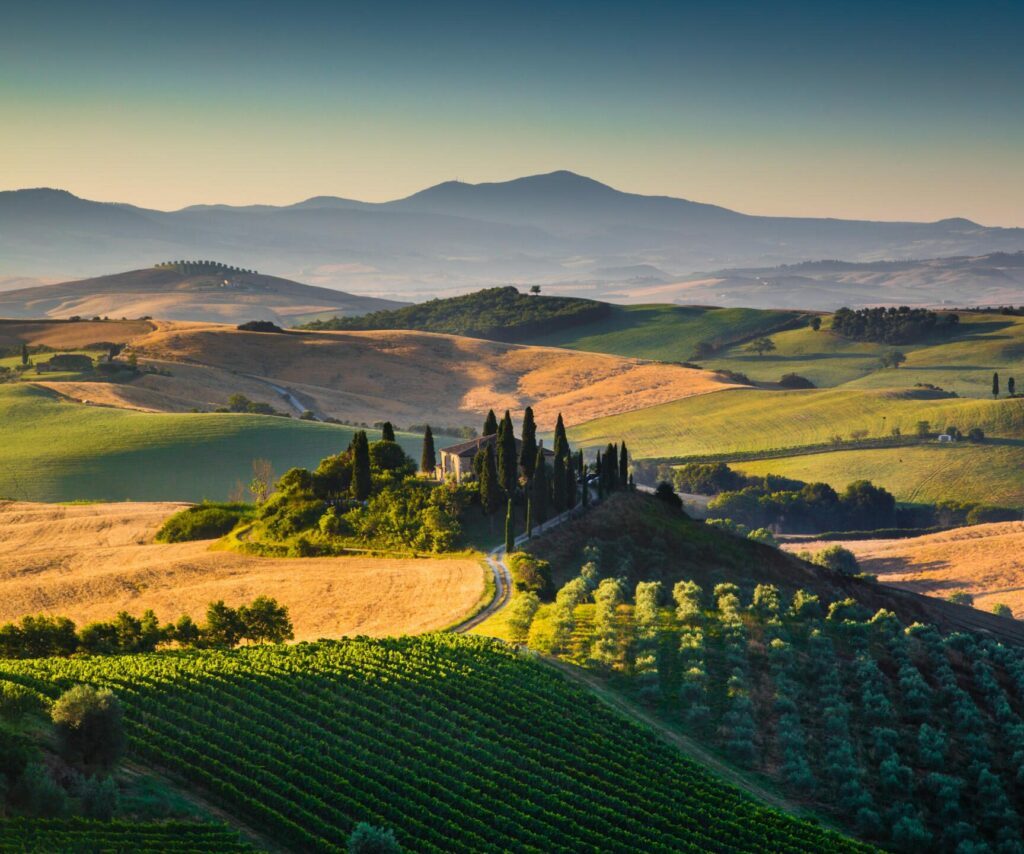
[901, 325]
[501, 314]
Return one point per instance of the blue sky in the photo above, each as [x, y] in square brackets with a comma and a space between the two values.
[896, 110]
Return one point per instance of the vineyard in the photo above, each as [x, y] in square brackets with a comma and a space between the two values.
[458, 744]
[912, 739]
[82, 836]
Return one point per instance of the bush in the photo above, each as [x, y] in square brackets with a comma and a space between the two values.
[985, 513]
[960, 598]
[666, 493]
[89, 725]
[389, 456]
[530, 573]
[17, 700]
[367, 839]
[795, 381]
[763, 535]
[37, 793]
[259, 326]
[1001, 609]
[100, 797]
[707, 478]
[837, 558]
[202, 522]
[976, 434]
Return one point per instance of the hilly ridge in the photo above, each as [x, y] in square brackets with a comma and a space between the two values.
[560, 228]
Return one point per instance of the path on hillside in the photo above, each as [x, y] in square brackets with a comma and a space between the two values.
[686, 745]
[502, 591]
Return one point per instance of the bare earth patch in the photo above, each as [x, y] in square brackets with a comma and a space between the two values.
[88, 562]
[986, 561]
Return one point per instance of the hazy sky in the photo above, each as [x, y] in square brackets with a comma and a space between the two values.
[884, 110]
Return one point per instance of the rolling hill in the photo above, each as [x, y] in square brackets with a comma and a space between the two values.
[169, 293]
[55, 450]
[406, 377]
[558, 229]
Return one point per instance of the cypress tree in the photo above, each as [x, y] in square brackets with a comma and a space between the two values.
[570, 485]
[610, 467]
[539, 488]
[585, 487]
[387, 432]
[528, 454]
[558, 482]
[995, 385]
[361, 480]
[529, 516]
[560, 434]
[24, 353]
[490, 424]
[1011, 386]
[599, 468]
[429, 457]
[510, 534]
[623, 466]
[488, 482]
[508, 465]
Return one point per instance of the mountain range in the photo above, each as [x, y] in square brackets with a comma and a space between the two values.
[562, 230]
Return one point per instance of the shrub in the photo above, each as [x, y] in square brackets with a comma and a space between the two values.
[100, 797]
[259, 326]
[960, 598]
[202, 522]
[89, 726]
[530, 573]
[389, 456]
[795, 381]
[367, 839]
[665, 492]
[37, 793]
[837, 558]
[17, 700]
[984, 513]
[1002, 610]
[976, 434]
[763, 535]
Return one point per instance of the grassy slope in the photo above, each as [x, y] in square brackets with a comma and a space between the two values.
[964, 364]
[992, 473]
[458, 744]
[750, 419]
[664, 332]
[58, 451]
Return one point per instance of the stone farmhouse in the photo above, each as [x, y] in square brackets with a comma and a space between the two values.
[457, 461]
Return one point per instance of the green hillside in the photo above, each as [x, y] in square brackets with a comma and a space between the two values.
[502, 314]
[962, 362]
[667, 333]
[991, 473]
[458, 744]
[54, 450]
[752, 420]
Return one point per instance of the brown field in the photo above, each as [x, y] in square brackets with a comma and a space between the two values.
[407, 377]
[70, 336]
[986, 561]
[88, 562]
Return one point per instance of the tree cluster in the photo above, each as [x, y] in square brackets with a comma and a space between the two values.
[261, 621]
[903, 325]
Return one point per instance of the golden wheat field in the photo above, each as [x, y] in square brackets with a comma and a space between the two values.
[986, 561]
[88, 562]
[406, 377]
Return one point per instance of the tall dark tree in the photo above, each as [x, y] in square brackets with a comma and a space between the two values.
[599, 469]
[489, 490]
[24, 353]
[584, 486]
[361, 480]
[561, 440]
[570, 484]
[529, 515]
[995, 385]
[528, 454]
[490, 424]
[623, 466]
[558, 496]
[510, 529]
[428, 459]
[387, 432]
[610, 468]
[508, 464]
[1011, 386]
[539, 488]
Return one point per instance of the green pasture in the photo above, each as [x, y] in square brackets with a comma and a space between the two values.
[987, 473]
[754, 419]
[54, 450]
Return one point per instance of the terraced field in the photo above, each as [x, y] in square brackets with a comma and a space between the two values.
[753, 420]
[668, 333]
[54, 450]
[458, 744]
[992, 473]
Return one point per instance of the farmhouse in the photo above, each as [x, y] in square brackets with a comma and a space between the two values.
[457, 461]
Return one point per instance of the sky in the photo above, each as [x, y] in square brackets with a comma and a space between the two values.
[879, 110]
